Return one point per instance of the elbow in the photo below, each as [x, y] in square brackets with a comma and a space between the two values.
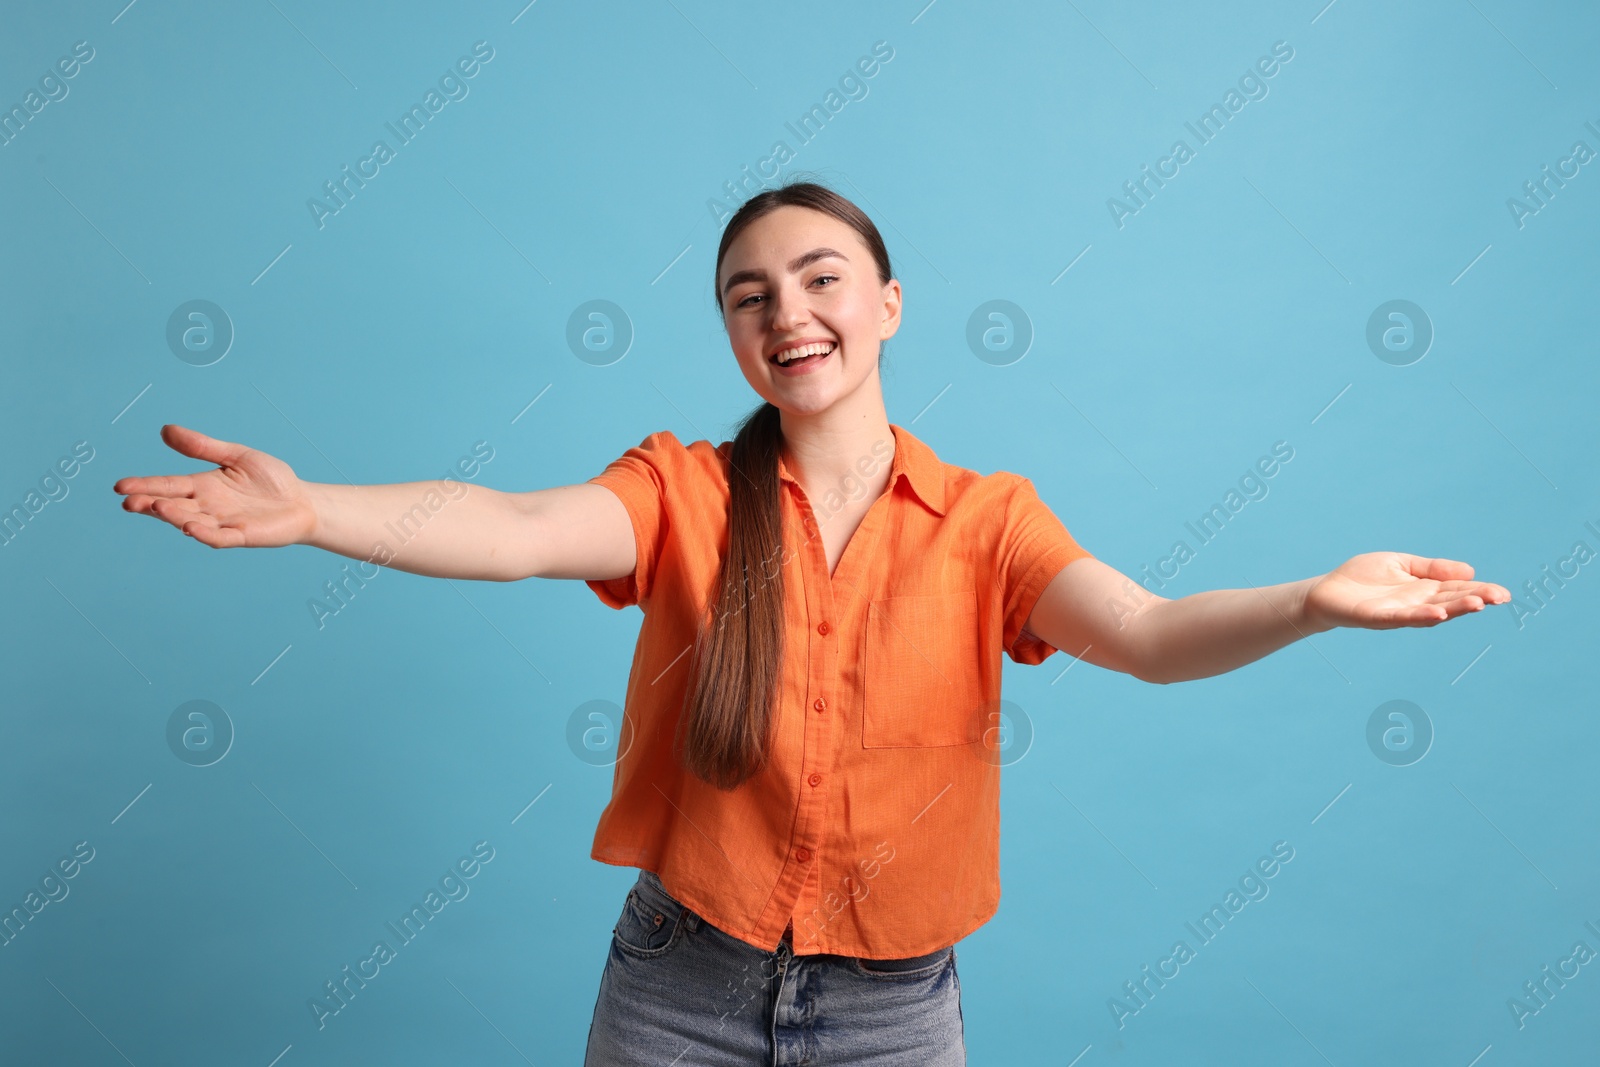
[1147, 670]
[1133, 668]
[1141, 649]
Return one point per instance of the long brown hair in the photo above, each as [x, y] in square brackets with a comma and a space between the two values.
[739, 653]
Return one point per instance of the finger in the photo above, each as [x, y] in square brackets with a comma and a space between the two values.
[157, 485]
[175, 511]
[146, 505]
[1422, 613]
[1434, 613]
[196, 444]
[1438, 569]
[209, 533]
[138, 503]
[1426, 614]
[1489, 592]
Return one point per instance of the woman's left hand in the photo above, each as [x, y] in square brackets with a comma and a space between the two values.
[1385, 590]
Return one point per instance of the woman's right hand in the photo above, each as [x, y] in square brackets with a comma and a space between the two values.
[252, 500]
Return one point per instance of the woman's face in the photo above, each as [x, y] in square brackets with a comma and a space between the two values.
[776, 289]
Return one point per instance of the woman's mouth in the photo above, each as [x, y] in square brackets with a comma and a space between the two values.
[805, 358]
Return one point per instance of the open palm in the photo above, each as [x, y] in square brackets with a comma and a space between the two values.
[252, 500]
[1385, 590]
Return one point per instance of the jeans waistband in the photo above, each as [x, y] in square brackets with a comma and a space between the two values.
[786, 943]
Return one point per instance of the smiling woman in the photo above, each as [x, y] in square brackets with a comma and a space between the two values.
[814, 682]
[854, 675]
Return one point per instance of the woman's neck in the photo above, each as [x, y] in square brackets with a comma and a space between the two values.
[839, 451]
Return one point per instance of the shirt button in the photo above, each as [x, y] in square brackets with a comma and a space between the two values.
[823, 628]
[820, 704]
[802, 854]
[815, 779]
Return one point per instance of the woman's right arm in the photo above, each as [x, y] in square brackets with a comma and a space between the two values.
[440, 528]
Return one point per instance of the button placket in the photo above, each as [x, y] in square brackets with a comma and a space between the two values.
[819, 740]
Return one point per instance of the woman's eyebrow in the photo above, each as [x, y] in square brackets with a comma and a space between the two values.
[798, 263]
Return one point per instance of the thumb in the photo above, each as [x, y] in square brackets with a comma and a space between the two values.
[198, 445]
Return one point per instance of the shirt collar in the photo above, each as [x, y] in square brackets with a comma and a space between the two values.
[913, 459]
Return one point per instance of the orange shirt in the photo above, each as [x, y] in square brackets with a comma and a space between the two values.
[875, 825]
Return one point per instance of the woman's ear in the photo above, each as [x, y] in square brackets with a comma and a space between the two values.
[890, 322]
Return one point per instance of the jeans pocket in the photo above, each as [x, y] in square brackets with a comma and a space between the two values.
[913, 967]
[651, 923]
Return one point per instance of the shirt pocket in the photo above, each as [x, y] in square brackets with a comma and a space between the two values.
[923, 678]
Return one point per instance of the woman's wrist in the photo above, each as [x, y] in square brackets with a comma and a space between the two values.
[1308, 619]
[317, 508]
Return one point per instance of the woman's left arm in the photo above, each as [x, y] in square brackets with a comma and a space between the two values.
[1122, 626]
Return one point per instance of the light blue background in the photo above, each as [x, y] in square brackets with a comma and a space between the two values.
[1228, 314]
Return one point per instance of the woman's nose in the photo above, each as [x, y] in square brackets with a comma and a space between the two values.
[788, 312]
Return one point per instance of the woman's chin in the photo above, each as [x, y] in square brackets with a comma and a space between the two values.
[803, 401]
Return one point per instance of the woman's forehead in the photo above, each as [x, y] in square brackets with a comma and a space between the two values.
[775, 241]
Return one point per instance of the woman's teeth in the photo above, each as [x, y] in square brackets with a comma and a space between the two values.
[803, 352]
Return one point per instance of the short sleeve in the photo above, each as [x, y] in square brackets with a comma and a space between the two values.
[640, 478]
[1034, 546]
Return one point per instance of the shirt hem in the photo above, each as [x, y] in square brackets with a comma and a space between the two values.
[916, 949]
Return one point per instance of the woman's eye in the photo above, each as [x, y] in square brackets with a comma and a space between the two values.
[755, 296]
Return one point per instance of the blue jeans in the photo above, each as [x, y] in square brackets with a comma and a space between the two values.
[678, 991]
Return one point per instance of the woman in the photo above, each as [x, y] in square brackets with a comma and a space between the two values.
[811, 796]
